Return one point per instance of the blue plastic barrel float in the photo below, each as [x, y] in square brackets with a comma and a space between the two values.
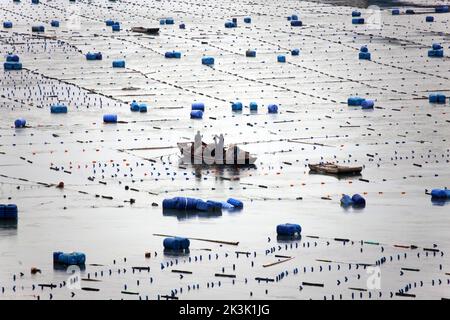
[109, 23]
[118, 64]
[7, 24]
[134, 106]
[365, 56]
[236, 203]
[182, 26]
[196, 114]
[115, 26]
[162, 21]
[236, 106]
[230, 24]
[442, 9]
[295, 52]
[439, 53]
[58, 108]
[253, 106]
[429, 19]
[296, 23]
[281, 58]
[20, 123]
[37, 29]
[93, 56]
[272, 108]
[35, 1]
[294, 17]
[250, 53]
[358, 201]
[215, 205]
[54, 23]
[346, 201]
[438, 98]
[443, 194]
[110, 118]
[355, 101]
[176, 243]
[198, 106]
[8, 212]
[180, 203]
[173, 54]
[364, 49]
[358, 21]
[356, 13]
[248, 20]
[69, 259]
[170, 21]
[410, 11]
[289, 229]
[367, 104]
[142, 108]
[9, 66]
[395, 12]
[208, 61]
[12, 58]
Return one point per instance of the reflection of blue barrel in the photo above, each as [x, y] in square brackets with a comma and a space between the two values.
[20, 123]
[196, 114]
[358, 201]
[236, 203]
[110, 118]
[289, 229]
[176, 243]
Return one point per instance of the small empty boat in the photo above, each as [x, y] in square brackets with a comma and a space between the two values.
[154, 31]
[332, 168]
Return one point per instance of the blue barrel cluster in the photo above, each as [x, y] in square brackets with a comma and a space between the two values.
[250, 53]
[118, 64]
[272, 108]
[236, 106]
[7, 24]
[138, 107]
[437, 51]
[356, 201]
[172, 55]
[110, 118]
[12, 63]
[58, 108]
[176, 244]
[230, 24]
[364, 53]
[8, 212]
[69, 259]
[292, 17]
[169, 21]
[115, 26]
[54, 23]
[197, 110]
[109, 23]
[281, 58]
[437, 98]
[208, 61]
[289, 229]
[295, 52]
[94, 56]
[442, 9]
[296, 23]
[194, 204]
[37, 29]
[440, 194]
[20, 123]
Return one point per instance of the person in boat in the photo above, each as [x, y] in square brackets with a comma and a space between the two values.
[219, 143]
[198, 148]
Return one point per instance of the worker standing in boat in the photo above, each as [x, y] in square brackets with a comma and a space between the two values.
[219, 145]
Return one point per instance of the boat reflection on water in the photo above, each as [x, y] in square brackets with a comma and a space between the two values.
[184, 215]
[176, 253]
[289, 239]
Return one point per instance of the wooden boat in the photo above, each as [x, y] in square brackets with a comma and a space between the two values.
[196, 158]
[154, 31]
[331, 168]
